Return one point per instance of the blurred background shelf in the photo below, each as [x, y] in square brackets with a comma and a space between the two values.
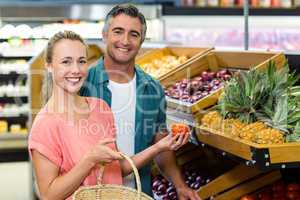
[15, 99]
[229, 11]
[13, 136]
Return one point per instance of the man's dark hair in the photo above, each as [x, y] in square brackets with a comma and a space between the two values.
[129, 10]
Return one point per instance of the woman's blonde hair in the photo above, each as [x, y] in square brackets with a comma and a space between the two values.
[48, 55]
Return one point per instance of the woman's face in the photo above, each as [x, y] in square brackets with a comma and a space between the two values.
[69, 65]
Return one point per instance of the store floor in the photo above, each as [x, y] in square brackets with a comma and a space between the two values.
[15, 181]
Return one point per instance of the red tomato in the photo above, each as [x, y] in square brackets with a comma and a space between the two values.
[178, 128]
[292, 195]
[293, 187]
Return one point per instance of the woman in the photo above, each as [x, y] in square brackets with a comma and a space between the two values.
[71, 134]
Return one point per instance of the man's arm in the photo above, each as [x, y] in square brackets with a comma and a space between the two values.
[167, 164]
[166, 160]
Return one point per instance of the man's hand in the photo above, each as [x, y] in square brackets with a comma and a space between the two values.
[171, 143]
[186, 193]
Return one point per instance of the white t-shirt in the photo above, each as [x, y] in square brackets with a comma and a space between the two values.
[123, 105]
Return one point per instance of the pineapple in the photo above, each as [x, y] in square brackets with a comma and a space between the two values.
[232, 127]
[248, 132]
[212, 120]
[242, 96]
[266, 101]
[266, 96]
[269, 136]
[276, 115]
[295, 136]
[294, 115]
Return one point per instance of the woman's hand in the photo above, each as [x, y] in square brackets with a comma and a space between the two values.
[101, 153]
[172, 143]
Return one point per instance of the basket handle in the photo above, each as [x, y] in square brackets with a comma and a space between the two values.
[135, 171]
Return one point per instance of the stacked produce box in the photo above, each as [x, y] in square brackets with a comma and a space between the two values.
[161, 62]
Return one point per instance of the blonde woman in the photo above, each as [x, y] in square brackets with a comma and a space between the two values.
[71, 134]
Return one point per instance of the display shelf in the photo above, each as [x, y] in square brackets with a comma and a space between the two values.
[13, 151]
[21, 120]
[236, 182]
[13, 136]
[15, 99]
[13, 77]
[12, 141]
[250, 186]
[238, 11]
[264, 156]
[15, 117]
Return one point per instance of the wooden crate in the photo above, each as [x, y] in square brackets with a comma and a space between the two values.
[249, 186]
[213, 61]
[265, 156]
[191, 53]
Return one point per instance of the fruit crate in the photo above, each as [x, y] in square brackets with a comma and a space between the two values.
[264, 156]
[213, 61]
[190, 52]
[222, 178]
[280, 189]
[238, 181]
[199, 167]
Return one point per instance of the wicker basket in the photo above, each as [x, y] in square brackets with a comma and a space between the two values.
[112, 192]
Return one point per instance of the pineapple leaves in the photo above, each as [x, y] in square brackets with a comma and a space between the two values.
[267, 95]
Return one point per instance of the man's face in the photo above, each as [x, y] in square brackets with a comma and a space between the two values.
[123, 39]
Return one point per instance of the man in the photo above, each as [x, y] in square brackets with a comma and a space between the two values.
[136, 99]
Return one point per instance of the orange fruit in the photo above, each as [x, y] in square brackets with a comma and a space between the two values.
[178, 128]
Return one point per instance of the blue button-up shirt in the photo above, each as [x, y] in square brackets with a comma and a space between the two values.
[150, 115]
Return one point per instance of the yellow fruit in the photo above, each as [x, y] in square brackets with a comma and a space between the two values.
[212, 120]
[232, 127]
[163, 65]
[248, 132]
[269, 136]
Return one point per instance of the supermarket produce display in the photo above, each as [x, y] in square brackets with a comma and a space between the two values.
[253, 144]
[237, 105]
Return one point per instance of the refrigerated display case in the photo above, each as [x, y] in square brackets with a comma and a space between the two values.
[269, 29]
